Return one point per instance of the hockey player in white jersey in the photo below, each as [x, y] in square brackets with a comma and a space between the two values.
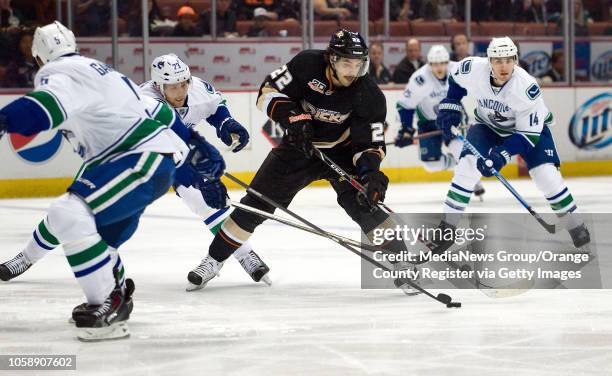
[422, 95]
[511, 119]
[196, 100]
[129, 162]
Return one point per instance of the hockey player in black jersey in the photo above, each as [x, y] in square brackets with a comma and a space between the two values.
[323, 99]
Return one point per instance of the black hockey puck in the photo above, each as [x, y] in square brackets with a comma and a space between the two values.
[453, 305]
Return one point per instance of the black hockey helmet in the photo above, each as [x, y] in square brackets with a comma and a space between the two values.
[350, 45]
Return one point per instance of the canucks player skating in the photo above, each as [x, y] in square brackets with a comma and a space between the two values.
[129, 163]
[172, 83]
[422, 95]
[196, 100]
[511, 119]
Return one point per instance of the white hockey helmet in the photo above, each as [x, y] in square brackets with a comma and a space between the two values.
[169, 69]
[502, 47]
[53, 41]
[438, 54]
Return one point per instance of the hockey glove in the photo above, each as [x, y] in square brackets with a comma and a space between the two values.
[404, 137]
[204, 158]
[449, 115]
[300, 133]
[498, 157]
[3, 125]
[230, 127]
[214, 192]
[375, 183]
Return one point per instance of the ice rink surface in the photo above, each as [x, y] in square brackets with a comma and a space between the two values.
[315, 319]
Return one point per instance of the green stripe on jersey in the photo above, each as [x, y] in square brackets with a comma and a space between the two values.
[51, 104]
[121, 185]
[46, 234]
[421, 115]
[88, 254]
[141, 132]
[165, 115]
[457, 197]
[549, 118]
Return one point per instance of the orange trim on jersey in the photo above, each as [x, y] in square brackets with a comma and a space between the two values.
[227, 240]
[274, 105]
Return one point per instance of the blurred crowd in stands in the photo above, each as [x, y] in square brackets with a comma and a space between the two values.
[274, 18]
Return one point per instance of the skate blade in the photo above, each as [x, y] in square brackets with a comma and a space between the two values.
[191, 287]
[411, 292]
[117, 330]
[265, 279]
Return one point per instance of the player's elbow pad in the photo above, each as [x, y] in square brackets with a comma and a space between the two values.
[25, 117]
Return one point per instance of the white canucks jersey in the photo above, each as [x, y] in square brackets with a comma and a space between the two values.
[202, 100]
[518, 107]
[99, 111]
[424, 91]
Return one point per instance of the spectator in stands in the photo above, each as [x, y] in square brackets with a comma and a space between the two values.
[289, 10]
[379, 73]
[502, 10]
[534, 11]
[20, 72]
[460, 47]
[93, 17]
[335, 9]
[399, 10]
[439, 10]
[11, 18]
[557, 62]
[226, 20]
[187, 23]
[245, 9]
[410, 63]
[155, 18]
[582, 20]
[260, 23]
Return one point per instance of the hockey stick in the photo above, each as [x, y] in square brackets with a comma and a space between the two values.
[290, 223]
[442, 298]
[348, 177]
[547, 226]
[420, 136]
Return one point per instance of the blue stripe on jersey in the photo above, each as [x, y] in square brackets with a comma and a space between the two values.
[461, 188]
[216, 215]
[41, 244]
[93, 268]
[26, 117]
[558, 194]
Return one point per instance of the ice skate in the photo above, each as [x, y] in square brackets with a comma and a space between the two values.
[84, 307]
[255, 267]
[14, 267]
[105, 321]
[203, 273]
[580, 236]
[403, 282]
[479, 191]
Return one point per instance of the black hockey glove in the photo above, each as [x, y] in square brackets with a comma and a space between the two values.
[376, 183]
[300, 133]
